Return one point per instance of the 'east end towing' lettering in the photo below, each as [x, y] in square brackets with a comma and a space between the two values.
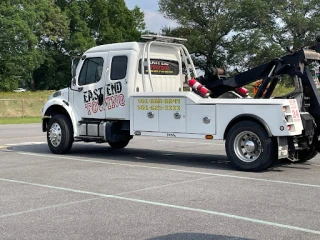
[89, 96]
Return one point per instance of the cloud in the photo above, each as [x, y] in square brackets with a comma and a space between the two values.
[155, 21]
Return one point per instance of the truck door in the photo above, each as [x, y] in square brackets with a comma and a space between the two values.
[117, 87]
[89, 99]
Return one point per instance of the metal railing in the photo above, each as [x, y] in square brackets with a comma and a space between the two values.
[184, 57]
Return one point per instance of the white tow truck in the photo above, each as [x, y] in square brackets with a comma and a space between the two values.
[123, 90]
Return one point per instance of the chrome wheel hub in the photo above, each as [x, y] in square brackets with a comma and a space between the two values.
[247, 146]
[55, 134]
[250, 146]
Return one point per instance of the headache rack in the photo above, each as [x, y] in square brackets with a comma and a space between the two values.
[185, 61]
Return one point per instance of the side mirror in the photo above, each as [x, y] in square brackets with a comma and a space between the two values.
[74, 63]
[73, 68]
[318, 36]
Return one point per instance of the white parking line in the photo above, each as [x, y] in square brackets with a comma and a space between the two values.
[315, 165]
[170, 169]
[237, 217]
[48, 207]
[165, 185]
[24, 143]
[6, 139]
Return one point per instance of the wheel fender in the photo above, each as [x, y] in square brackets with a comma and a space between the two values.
[244, 117]
[63, 106]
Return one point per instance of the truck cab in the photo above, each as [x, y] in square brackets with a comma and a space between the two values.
[123, 90]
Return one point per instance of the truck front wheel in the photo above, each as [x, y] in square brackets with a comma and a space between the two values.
[249, 148]
[59, 134]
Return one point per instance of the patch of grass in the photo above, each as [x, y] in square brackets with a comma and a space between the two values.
[26, 95]
[20, 120]
[279, 91]
[23, 104]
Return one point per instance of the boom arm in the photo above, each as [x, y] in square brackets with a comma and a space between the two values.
[294, 64]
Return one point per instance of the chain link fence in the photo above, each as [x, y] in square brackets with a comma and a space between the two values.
[21, 108]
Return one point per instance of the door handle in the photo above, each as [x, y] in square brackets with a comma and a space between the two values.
[100, 99]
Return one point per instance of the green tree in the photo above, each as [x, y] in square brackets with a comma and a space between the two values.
[28, 28]
[243, 33]
[205, 23]
[112, 21]
[15, 35]
[54, 73]
[80, 38]
[96, 22]
[91, 23]
[267, 29]
[291, 23]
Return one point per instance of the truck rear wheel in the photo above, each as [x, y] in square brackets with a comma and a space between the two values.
[307, 154]
[118, 145]
[249, 148]
[59, 134]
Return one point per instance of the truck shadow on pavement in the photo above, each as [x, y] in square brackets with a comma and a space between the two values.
[182, 157]
[103, 152]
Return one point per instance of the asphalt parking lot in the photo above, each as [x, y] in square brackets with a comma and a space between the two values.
[156, 188]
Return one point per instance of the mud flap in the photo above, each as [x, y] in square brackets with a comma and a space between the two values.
[283, 149]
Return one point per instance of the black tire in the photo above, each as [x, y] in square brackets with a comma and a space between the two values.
[307, 154]
[60, 134]
[118, 145]
[249, 148]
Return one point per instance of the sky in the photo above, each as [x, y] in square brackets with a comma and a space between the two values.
[153, 19]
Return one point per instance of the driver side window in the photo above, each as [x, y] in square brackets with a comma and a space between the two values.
[91, 71]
